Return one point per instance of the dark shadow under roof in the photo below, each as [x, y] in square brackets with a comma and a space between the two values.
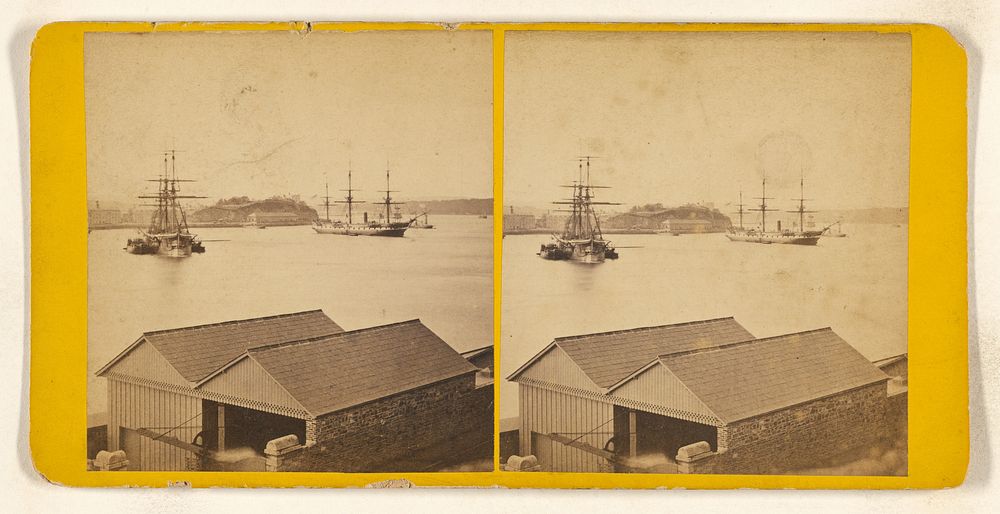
[350, 368]
[611, 356]
[743, 380]
[199, 350]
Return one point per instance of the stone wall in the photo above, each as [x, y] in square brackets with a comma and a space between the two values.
[386, 434]
[896, 414]
[798, 437]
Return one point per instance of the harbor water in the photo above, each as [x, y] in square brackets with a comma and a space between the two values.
[856, 285]
[443, 276]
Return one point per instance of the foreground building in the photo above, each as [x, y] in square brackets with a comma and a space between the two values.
[296, 392]
[699, 397]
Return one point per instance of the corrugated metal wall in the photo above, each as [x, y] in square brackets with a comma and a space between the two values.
[659, 391]
[145, 361]
[247, 384]
[135, 406]
[546, 411]
[556, 367]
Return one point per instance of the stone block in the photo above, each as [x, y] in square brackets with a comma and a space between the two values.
[693, 451]
[111, 461]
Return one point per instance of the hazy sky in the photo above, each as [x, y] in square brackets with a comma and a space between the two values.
[695, 117]
[269, 113]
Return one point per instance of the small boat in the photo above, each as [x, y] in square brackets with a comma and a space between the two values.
[418, 223]
[835, 233]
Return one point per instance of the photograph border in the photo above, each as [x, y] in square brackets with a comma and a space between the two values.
[937, 268]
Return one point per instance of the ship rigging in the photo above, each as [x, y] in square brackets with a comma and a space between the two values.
[385, 227]
[801, 236]
[168, 232]
[581, 239]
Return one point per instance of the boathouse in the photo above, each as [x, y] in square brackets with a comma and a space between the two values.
[294, 392]
[699, 397]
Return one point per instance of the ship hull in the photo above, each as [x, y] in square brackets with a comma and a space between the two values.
[587, 253]
[775, 238]
[170, 246]
[175, 246]
[590, 252]
[140, 247]
[362, 230]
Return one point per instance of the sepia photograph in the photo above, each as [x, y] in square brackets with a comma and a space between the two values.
[705, 252]
[290, 251]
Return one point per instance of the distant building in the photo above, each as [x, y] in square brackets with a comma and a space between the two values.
[104, 217]
[273, 211]
[274, 218]
[295, 392]
[699, 397]
[552, 221]
[513, 222]
[687, 226]
[689, 218]
[219, 214]
[137, 216]
[634, 220]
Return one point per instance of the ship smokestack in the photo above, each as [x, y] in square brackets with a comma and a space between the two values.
[366, 217]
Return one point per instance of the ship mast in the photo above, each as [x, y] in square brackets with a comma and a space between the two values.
[169, 216]
[388, 199]
[740, 205]
[350, 195]
[763, 210]
[802, 205]
[583, 222]
[326, 201]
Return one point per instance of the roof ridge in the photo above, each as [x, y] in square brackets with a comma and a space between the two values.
[314, 339]
[230, 322]
[739, 343]
[639, 329]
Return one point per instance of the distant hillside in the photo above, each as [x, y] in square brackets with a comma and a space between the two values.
[888, 215]
[477, 206]
[237, 209]
[652, 216]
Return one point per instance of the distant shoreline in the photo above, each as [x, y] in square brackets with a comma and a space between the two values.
[116, 226]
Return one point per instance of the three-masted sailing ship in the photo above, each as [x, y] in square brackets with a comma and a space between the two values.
[384, 227]
[801, 236]
[581, 239]
[168, 232]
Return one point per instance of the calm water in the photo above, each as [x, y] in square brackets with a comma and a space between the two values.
[442, 276]
[856, 285]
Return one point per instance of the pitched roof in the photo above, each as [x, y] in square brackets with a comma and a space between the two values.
[890, 360]
[471, 354]
[608, 357]
[199, 350]
[331, 373]
[746, 379]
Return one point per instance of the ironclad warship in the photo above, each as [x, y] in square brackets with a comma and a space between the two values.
[779, 236]
[581, 239]
[384, 228]
[168, 232]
